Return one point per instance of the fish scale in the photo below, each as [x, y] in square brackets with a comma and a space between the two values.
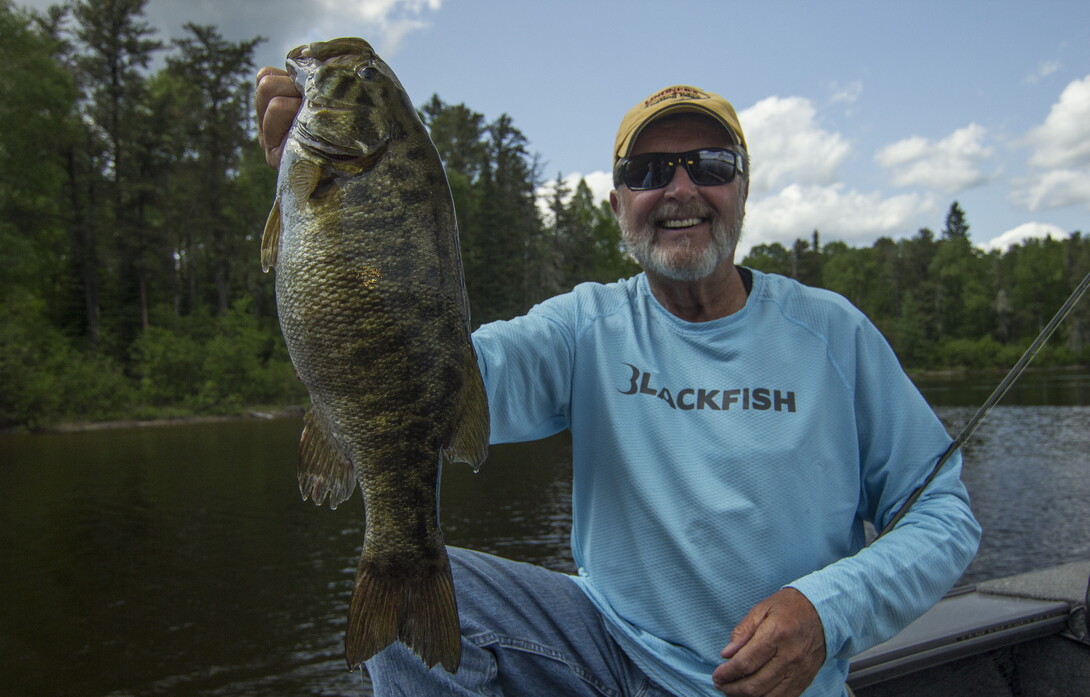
[372, 304]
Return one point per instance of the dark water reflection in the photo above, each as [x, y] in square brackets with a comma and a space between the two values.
[1028, 473]
[180, 561]
[1066, 387]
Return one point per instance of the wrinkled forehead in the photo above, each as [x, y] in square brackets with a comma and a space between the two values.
[678, 132]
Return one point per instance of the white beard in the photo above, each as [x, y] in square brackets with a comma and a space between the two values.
[681, 262]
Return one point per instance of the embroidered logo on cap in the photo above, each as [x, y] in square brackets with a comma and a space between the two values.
[679, 92]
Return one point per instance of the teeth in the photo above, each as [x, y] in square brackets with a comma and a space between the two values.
[675, 224]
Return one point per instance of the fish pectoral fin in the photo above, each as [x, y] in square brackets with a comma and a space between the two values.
[470, 440]
[324, 469]
[270, 239]
[419, 609]
[303, 178]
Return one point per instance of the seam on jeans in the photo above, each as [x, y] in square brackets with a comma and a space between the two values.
[507, 642]
[650, 688]
[481, 640]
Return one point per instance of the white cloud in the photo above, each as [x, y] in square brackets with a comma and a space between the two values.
[797, 210]
[848, 94]
[600, 184]
[950, 165]
[1044, 69]
[1023, 232]
[379, 11]
[1054, 189]
[388, 21]
[838, 214]
[1063, 140]
[788, 147]
[1061, 154]
[795, 185]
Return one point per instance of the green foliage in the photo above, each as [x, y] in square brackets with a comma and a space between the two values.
[945, 303]
[242, 361]
[513, 257]
[983, 353]
[582, 240]
[44, 378]
[132, 205]
[37, 103]
[770, 258]
[246, 363]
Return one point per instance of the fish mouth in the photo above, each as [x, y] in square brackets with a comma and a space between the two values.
[338, 152]
[314, 105]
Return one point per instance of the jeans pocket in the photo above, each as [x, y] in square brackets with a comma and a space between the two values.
[529, 668]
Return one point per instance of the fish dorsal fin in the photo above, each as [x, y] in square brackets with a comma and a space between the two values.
[270, 239]
[303, 178]
[324, 469]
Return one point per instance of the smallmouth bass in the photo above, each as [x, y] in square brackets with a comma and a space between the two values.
[371, 299]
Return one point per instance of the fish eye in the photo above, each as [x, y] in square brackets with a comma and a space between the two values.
[368, 72]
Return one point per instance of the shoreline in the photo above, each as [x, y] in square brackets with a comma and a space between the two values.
[254, 414]
[297, 411]
[959, 372]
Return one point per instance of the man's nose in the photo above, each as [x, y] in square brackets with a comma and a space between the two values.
[680, 186]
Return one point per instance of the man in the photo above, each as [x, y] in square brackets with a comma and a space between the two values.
[731, 430]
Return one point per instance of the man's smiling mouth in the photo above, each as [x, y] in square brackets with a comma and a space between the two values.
[680, 223]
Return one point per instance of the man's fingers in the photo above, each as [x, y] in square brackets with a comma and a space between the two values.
[776, 649]
[767, 682]
[742, 634]
[747, 661]
[277, 122]
[269, 70]
[276, 100]
[272, 82]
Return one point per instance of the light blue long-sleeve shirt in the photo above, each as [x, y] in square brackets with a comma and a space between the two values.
[717, 462]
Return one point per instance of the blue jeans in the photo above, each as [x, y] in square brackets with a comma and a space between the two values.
[526, 631]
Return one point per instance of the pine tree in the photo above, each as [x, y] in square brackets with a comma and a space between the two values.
[216, 74]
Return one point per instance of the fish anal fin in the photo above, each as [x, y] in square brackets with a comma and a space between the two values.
[325, 472]
[469, 442]
[418, 609]
[270, 239]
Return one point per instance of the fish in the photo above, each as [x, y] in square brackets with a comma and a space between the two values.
[371, 299]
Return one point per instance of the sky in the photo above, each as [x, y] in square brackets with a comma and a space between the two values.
[864, 118]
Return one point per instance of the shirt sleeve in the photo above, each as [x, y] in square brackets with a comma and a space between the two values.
[526, 364]
[868, 597]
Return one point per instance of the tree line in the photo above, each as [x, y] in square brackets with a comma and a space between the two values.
[132, 202]
[944, 303]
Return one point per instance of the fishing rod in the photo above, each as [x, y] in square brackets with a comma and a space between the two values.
[997, 395]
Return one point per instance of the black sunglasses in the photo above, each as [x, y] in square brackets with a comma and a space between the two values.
[654, 170]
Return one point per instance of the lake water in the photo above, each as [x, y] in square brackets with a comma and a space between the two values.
[180, 561]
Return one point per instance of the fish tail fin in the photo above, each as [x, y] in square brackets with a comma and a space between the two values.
[470, 440]
[418, 608]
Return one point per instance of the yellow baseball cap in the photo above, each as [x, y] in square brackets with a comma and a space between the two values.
[679, 98]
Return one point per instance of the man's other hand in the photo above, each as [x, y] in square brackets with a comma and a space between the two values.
[775, 651]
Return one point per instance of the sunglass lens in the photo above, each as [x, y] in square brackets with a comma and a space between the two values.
[649, 171]
[711, 168]
[655, 170]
